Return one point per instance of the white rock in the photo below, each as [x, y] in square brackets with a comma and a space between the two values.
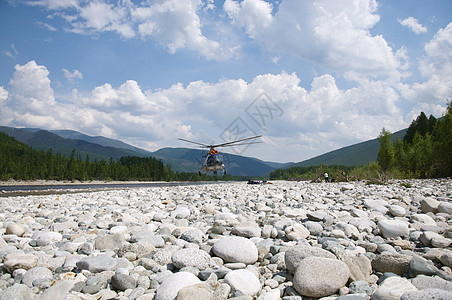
[393, 228]
[397, 210]
[320, 277]
[172, 284]
[236, 249]
[243, 281]
[393, 288]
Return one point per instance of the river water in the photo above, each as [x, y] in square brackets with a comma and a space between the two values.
[49, 189]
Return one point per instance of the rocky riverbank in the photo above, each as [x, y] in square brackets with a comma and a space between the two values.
[286, 240]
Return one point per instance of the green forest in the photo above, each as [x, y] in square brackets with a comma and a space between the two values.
[19, 161]
[424, 152]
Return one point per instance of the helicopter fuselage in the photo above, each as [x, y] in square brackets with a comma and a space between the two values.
[213, 162]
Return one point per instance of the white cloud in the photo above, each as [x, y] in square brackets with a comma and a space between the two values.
[314, 120]
[429, 96]
[71, 76]
[414, 25]
[11, 53]
[331, 33]
[3, 94]
[46, 26]
[173, 24]
[176, 25]
[54, 4]
[98, 17]
[30, 88]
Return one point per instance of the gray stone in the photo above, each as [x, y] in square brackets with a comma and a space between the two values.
[391, 262]
[85, 248]
[247, 229]
[236, 249]
[392, 228]
[47, 238]
[192, 236]
[172, 284]
[315, 228]
[110, 242]
[243, 281]
[36, 273]
[360, 287]
[16, 292]
[191, 257]
[320, 277]
[446, 259]
[294, 255]
[123, 282]
[420, 265]
[423, 282]
[141, 249]
[429, 205]
[393, 288]
[440, 242]
[432, 294]
[14, 261]
[98, 263]
[445, 207]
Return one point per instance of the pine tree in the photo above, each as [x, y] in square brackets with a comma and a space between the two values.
[386, 152]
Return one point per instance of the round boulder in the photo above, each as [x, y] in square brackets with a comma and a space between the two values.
[320, 277]
[191, 257]
[243, 281]
[236, 249]
[172, 284]
[296, 254]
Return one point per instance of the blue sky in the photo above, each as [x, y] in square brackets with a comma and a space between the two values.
[310, 76]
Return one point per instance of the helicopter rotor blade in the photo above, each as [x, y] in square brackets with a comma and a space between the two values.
[203, 145]
[252, 143]
[237, 141]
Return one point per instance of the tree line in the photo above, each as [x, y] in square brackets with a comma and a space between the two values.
[21, 162]
[424, 152]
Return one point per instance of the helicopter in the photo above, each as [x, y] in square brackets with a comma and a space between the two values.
[213, 160]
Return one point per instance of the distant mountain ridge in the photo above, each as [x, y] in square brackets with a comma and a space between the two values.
[184, 159]
[353, 155]
[98, 147]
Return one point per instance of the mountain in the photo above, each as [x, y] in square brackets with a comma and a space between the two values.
[98, 147]
[354, 155]
[100, 140]
[43, 140]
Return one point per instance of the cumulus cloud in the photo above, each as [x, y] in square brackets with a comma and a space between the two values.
[414, 25]
[175, 25]
[315, 120]
[334, 34]
[432, 94]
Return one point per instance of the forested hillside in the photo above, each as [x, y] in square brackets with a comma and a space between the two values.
[21, 162]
